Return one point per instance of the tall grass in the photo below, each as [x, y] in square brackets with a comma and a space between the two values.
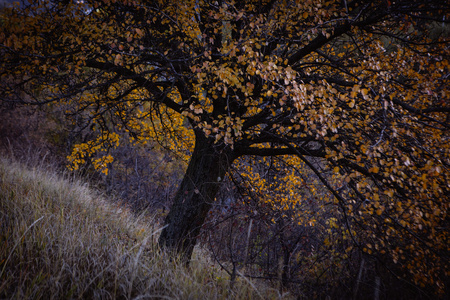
[59, 239]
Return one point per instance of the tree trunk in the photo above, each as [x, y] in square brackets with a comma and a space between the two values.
[207, 167]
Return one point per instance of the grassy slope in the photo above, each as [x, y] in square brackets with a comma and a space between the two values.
[61, 240]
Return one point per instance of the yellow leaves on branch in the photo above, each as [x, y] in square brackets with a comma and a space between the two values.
[287, 192]
[92, 151]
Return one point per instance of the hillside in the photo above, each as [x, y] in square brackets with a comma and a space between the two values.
[60, 239]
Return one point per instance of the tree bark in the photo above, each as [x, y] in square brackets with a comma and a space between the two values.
[208, 165]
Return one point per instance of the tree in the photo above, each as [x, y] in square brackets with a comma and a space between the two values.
[360, 84]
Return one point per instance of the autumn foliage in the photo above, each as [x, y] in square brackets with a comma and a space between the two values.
[347, 100]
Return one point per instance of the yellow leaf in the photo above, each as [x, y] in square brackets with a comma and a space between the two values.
[139, 32]
[374, 169]
[118, 59]
[352, 104]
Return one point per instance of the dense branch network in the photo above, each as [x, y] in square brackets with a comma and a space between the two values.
[361, 84]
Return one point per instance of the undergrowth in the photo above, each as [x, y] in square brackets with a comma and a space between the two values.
[60, 239]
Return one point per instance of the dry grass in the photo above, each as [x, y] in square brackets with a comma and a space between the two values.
[61, 240]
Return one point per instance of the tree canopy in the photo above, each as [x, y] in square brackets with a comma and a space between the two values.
[360, 85]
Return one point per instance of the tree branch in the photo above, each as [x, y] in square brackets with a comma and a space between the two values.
[280, 151]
